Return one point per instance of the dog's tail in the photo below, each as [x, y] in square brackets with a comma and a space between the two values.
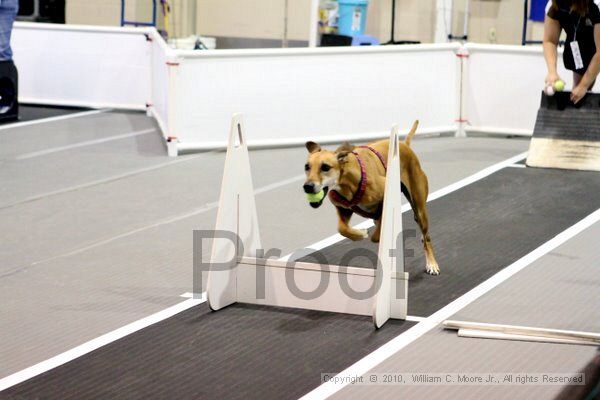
[412, 132]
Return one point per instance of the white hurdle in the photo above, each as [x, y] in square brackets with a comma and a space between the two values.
[381, 293]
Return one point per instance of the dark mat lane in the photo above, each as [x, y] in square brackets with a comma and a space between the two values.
[272, 353]
[240, 352]
[484, 227]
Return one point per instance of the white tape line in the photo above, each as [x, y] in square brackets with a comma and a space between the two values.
[399, 342]
[103, 180]
[96, 343]
[52, 119]
[413, 318]
[53, 150]
[169, 220]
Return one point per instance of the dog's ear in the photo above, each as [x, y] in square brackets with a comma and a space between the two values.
[312, 147]
[343, 151]
[342, 156]
[345, 147]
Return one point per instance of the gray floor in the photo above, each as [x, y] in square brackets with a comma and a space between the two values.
[560, 291]
[100, 235]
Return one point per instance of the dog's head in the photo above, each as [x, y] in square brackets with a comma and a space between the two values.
[323, 168]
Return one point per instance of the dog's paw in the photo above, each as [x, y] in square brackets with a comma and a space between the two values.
[364, 233]
[358, 234]
[432, 269]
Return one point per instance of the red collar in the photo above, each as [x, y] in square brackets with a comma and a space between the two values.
[362, 186]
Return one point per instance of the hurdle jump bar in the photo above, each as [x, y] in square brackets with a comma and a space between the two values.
[380, 292]
[523, 333]
[308, 276]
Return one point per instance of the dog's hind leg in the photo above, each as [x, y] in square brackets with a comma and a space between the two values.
[345, 229]
[419, 192]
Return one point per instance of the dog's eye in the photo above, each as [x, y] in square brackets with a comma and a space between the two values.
[325, 167]
[306, 167]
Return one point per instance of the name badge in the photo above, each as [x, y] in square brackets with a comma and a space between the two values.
[576, 55]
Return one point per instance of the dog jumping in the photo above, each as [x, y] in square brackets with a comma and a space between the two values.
[354, 179]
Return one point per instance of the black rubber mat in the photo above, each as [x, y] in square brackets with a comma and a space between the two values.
[484, 227]
[558, 118]
[240, 352]
[254, 352]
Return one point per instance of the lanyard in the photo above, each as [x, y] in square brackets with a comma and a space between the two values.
[576, 29]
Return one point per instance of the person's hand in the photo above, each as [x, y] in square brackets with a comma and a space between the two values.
[578, 93]
[551, 78]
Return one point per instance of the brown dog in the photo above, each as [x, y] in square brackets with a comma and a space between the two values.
[355, 179]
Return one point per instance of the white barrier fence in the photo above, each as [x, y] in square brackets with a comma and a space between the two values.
[329, 94]
[287, 95]
[82, 66]
[162, 62]
[502, 88]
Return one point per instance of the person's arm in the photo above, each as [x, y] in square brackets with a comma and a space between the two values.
[592, 72]
[552, 30]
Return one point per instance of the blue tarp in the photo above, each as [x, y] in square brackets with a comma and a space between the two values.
[537, 11]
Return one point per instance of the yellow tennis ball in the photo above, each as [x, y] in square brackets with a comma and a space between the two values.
[559, 85]
[315, 197]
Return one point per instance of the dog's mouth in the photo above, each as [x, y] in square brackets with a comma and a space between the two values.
[318, 203]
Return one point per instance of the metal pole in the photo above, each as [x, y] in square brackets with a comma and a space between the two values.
[284, 42]
[154, 12]
[466, 22]
[393, 21]
[122, 12]
[524, 38]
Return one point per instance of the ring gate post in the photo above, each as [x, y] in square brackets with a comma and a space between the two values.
[238, 274]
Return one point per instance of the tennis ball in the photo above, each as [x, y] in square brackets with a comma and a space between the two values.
[315, 197]
[549, 90]
[559, 85]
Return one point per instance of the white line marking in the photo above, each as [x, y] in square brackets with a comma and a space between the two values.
[413, 318]
[104, 180]
[422, 326]
[399, 342]
[83, 144]
[52, 119]
[517, 166]
[96, 343]
[206, 208]
[190, 295]
[405, 207]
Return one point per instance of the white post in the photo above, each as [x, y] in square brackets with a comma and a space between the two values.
[391, 256]
[443, 23]
[237, 215]
[462, 87]
[314, 23]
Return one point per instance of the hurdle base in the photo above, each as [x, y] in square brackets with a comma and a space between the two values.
[329, 288]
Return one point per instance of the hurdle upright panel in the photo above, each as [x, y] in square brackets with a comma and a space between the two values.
[240, 273]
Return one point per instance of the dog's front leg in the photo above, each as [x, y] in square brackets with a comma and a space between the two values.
[377, 231]
[345, 229]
